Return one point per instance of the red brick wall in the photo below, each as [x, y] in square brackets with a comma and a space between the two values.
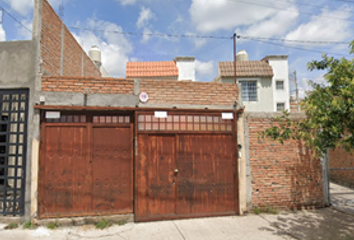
[51, 39]
[187, 92]
[339, 158]
[94, 85]
[282, 176]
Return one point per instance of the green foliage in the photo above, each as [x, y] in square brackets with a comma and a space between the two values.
[11, 226]
[121, 223]
[29, 225]
[329, 108]
[103, 224]
[53, 225]
[257, 211]
[269, 210]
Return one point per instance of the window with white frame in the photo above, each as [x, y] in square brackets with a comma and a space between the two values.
[249, 91]
[279, 85]
[280, 107]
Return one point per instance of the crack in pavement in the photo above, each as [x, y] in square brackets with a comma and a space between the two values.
[179, 230]
[102, 236]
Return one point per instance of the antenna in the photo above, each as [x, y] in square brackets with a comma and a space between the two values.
[61, 11]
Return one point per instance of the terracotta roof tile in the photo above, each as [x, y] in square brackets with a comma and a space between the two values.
[246, 69]
[151, 69]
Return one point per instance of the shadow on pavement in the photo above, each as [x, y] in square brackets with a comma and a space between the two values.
[324, 224]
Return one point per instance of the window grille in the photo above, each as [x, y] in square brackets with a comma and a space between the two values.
[13, 144]
[279, 85]
[66, 117]
[249, 91]
[184, 123]
[280, 107]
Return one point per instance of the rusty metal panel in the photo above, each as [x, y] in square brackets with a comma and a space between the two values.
[65, 182]
[185, 175]
[112, 170]
[161, 175]
[206, 174]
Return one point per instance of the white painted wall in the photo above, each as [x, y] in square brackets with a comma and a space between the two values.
[186, 68]
[265, 99]
[281, 73]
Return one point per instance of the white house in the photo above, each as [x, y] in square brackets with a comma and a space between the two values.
[264, 83]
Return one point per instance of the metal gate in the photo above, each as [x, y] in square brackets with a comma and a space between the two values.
[185, 167]
[13, 144]
[86, 165]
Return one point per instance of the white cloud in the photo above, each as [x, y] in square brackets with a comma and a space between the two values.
[212, 15]
[126, 2]
[115, 48]
[323, 28]
[145, 16]
[2, 34]
[21, 6]
[204, 69]
[276, 25]
[143, 22]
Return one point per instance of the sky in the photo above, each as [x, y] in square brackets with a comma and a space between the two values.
[301, 29]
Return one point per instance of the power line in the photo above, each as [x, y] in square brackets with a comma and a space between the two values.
[295, 41]
[311, 5]
[298, 48]
[289, 10]
[154, 34]
[18, 21]
[213, 37]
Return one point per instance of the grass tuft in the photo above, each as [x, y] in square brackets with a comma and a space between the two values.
[11, 226]
[103, 224]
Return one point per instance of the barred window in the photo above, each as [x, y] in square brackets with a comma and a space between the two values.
[279, 85]
[190, 122]
[249, 91]
[280, 107]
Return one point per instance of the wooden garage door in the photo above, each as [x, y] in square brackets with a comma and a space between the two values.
[181, 175]
[85, 169]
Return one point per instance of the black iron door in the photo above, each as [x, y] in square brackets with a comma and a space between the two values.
[13, 145]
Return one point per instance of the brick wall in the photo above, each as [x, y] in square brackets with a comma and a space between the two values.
[339, 158]
[187, 92]
[94, 85]
[51, 43]
[282, 176]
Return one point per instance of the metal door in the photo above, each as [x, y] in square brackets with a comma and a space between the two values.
[185, 175]
[85, 166]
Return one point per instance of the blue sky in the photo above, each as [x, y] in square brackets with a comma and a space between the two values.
[330, 20]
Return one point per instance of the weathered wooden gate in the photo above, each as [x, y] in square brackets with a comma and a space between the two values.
[185, 167]
[86, 165]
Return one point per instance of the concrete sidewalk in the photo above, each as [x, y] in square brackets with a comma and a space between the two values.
[316, 224]
[342, 197]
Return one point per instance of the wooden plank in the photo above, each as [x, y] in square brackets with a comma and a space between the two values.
[62, 189]
[161, 166]
[111, 169]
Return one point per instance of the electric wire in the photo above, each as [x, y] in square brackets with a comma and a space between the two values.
[298, 48]
[289, 10]
[15, 19]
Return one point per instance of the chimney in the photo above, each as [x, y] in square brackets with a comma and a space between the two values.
[186, 68]
[95, 55]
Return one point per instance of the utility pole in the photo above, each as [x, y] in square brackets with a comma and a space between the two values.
[294, 79]
[234, 37]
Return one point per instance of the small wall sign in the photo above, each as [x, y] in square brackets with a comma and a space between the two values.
[159, 114]
[52, 115]
[143, 97]
[227, 116]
